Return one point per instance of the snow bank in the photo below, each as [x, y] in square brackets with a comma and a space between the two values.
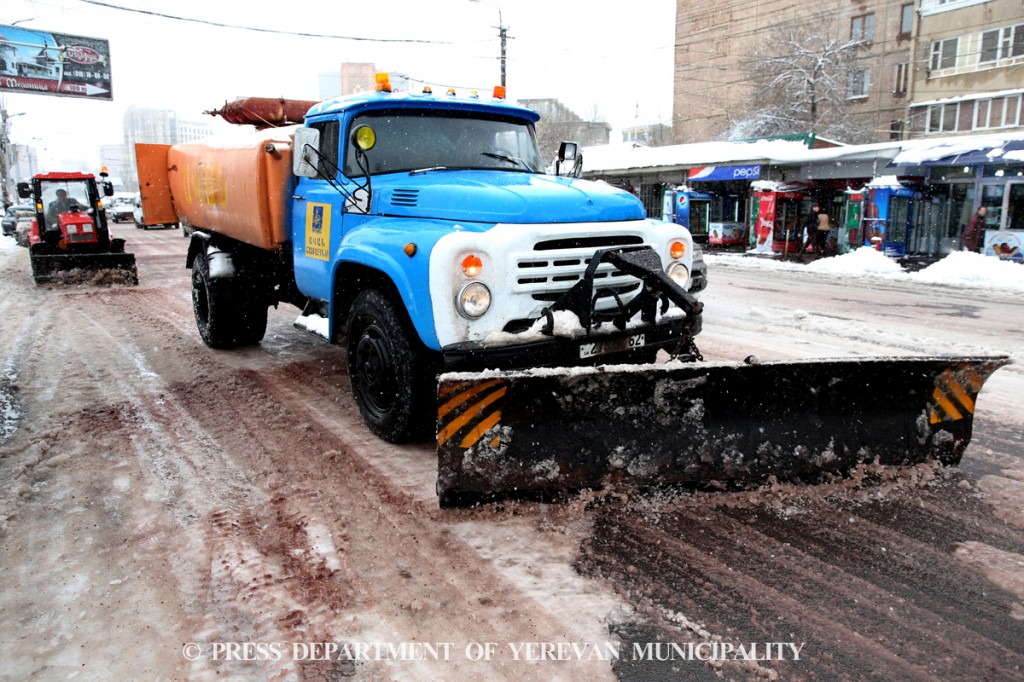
[863, 261]
[963, 268]
[958, 269]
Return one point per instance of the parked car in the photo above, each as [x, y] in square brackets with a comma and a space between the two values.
[12, 215]
[120, 208]
[138, 217]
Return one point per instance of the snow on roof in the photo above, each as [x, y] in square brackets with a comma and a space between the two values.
[924, 150]
[622, 157]
[625, 156]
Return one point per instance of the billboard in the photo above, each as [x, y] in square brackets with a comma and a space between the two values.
[54, 64]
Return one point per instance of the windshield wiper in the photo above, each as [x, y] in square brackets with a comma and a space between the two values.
[509, 158]
[416, 171]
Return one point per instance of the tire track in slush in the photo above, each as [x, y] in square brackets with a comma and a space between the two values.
[424, 566]
[903, 612]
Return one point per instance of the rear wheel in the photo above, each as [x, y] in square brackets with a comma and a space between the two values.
[229, 312]
[252, 319]
[213, 306]
[389, 373]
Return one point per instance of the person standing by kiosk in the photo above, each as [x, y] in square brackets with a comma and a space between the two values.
[974, 234]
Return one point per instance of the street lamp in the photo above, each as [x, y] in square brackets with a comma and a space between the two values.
[503, 34]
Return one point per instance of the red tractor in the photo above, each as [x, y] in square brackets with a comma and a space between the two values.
[69, 240]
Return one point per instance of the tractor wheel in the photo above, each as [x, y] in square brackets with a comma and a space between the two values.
[387, 369]
[214, 307]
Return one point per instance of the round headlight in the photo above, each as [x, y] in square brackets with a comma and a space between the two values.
[678, 273]
[474, 300]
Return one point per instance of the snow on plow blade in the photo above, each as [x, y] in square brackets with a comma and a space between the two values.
[85, 268]
[541, 432]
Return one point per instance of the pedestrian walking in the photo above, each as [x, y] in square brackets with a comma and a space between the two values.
[810, 225]
[973, 236]
[824, 227]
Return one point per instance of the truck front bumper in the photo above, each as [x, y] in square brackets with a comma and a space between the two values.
[674, 335]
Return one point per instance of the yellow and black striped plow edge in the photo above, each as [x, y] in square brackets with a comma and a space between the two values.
[467, 410]
[955, 393]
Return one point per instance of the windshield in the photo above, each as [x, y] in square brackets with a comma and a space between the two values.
[420, 140]
[60, 196]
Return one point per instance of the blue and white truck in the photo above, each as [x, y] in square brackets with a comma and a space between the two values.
[519, 313]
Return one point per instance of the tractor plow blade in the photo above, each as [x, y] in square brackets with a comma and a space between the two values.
[85, 268]
[542, 432]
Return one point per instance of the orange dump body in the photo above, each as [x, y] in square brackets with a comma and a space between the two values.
[239, 187]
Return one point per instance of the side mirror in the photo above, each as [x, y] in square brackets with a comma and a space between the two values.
[24, 190]
[306, 152]
[108, 189]
[567, 151]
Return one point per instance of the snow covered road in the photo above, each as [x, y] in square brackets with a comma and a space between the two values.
[172, 512]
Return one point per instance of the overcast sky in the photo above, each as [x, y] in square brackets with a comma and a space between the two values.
[614, 61]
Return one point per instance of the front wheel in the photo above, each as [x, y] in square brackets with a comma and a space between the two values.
[390, 380]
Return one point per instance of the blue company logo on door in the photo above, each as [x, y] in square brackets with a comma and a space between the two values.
[318, 231]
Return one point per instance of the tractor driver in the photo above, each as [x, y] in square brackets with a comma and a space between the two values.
[61, 204]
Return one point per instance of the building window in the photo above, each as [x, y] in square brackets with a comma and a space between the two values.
[896, 130]
[902, 80]
[944, 53]
[859, 83]
[989, 46]
[997, 112]
[862, 28]
[942, 118]
[1001, 43]
[906, 20]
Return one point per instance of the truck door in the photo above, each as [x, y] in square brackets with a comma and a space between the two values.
[316, 216]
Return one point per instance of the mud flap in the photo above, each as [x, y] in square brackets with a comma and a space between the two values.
[85, 268]
[541, 432]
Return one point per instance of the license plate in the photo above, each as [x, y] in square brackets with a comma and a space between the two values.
[589, 350]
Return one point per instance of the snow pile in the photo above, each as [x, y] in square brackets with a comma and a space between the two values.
[863, 261]
[958, 269]
[963, 268]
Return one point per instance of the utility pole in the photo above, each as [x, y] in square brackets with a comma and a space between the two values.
[5, 145]
[503, 33]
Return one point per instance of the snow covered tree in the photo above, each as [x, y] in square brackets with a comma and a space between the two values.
[800, 83]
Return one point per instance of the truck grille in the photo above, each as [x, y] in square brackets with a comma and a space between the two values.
[556, 265]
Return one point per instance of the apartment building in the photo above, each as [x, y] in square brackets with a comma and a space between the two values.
[968, 74]
[716, 38]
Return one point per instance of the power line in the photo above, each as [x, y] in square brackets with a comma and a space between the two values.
[261, 30]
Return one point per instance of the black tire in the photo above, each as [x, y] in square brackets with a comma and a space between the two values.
[229, 312]
[390, 374]
[252, 319]
[213, 306]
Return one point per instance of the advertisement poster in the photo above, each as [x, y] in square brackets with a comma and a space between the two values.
[1005, 244]
[54, 64]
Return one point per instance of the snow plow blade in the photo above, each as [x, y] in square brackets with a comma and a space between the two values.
[85, 268]
[543, 432]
